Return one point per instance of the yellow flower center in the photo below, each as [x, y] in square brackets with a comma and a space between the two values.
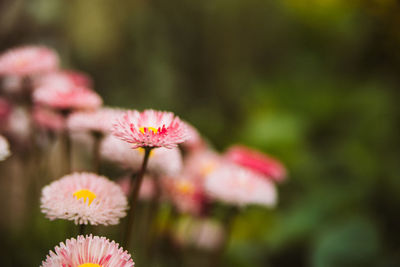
[86, 194]
[142, 129]
[185, 187]
[208, 167]
[89, 265]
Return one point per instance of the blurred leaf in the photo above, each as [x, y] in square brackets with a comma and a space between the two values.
[351, 243]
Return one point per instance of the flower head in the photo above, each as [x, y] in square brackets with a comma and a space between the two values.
[204, 233]
[65, 78]
[79, 78]
[5, 110]
[256, 161]
[48, 119]
[236, 185]
[186, 194]
[18, 124]
[99, 121]
[195, 141]
[202, 162]
[4, 148]
[28, 60]
[67, 97]
[151, 128]
[84, 198]
[89, 251]
[162, 161]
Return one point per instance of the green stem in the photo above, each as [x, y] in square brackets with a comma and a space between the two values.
[96, 151]
[67, 142]
[151, 233]
[134, 196]
[228, 222]
[67, 151]
[81, 230]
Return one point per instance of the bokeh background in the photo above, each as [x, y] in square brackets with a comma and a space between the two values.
[313, 82]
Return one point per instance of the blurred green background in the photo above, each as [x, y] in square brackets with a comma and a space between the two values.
[312, 82]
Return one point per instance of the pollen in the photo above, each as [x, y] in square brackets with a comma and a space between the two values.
[89, 265]
[86, 194]
[144, 129]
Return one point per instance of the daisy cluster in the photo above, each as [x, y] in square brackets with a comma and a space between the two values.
[88, 251]
[84, 198]
[183, 169]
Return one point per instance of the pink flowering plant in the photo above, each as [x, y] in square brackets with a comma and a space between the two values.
[72, 151]
[150, 129]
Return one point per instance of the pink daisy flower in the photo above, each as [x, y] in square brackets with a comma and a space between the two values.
[48, 119]
[195, 141]
[64, 78]
[151, 128]
[28, 60]
[206, 234]
[236, 185]
[84, 198]
[4, 148]
[5, 109]
[202, 162]
[67, 97]
[256, 161]
[19, 124]
[186, 194]
[62, 91]
[89, 251]
[162, 161]
[79, 78]
[99, 121]
[12, 84]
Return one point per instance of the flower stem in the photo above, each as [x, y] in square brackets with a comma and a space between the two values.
[134, 196]
[67, 151]
[228, 222]
[82, 228]
[67, 142]
[96, 151]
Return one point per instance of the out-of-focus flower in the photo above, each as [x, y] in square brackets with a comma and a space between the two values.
[147, 189]
[209, 234]
[202, 162]
[256, 161]
[151, 128]
[48, 119]
[195, 142]
[206, 234]
[28, 60]
[162, 161]
[4, 148]
[64, 78]
[12, 84]
[89, 251]
[98, 121]
[19, 125]
[84, 198]
[186, 194]
[236, 185]
[79, 78]
[66, 97]
[5, 110]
